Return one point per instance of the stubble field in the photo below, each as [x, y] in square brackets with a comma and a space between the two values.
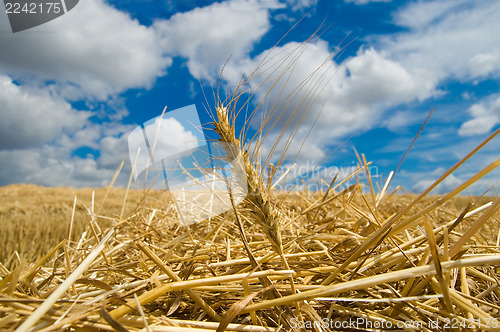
[203, 277]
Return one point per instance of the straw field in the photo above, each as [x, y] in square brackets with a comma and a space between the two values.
[333, 260]
[34, 219]
[345, 258]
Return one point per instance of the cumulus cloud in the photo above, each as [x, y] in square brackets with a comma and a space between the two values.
[51, 166]
[338, 99]
[55, 164]
[423, 180]
[92, 51]
[40, 132]
[401, 119]
[95, 52]
[420, 15]
[447, 39]
[92, 54]
[444, 40]
[165, 137]
[485, 116]
[483, 64]
[375, 78]
[208, 36]
[113, 149]
[364, 2]
[31, 117]
[301, 4]
[450, 183]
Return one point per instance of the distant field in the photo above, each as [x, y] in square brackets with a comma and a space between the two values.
[34, 219]
[146, 250]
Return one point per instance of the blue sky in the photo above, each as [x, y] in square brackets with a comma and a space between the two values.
[72, 90]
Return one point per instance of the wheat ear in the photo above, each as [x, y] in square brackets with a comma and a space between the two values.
[265, 213]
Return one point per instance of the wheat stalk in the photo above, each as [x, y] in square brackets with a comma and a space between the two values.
[265, 214]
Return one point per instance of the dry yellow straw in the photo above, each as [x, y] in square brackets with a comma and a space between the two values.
[195, 297]
[189, 284]
[49, 302]
[364, 283]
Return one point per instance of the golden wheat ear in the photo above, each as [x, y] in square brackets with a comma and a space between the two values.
[265, 214]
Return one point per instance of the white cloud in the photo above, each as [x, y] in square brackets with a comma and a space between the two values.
[374, 78]
[88, 136]
[93, 135]
[31, 117]
[433, 154]
[93, 50]
[54, 164]
[364, 2]
[168, 137]
[420, 15]
[208, 36]
[301, 4]
[485, 116]
[450, 183]
[96, 51]
[91, 54]
[51, 166]
[422, 181]
[447, 39]
[483, 64]
[401, 119]
[112, 150]
[340, 99]
[40, 132]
